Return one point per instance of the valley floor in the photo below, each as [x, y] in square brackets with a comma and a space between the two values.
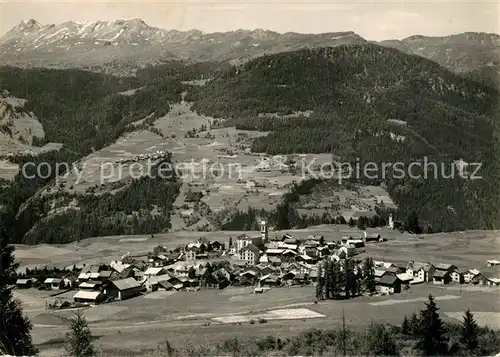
[131, 327]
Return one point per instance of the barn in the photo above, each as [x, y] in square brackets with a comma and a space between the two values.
[89, 297]
[123, 289]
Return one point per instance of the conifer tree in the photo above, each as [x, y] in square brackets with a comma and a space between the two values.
[412, 223]
[328, 280]
[431, 334]
[333, 280]
[369, 275]
[469, 332]
[337, 280]
[79, 338]
[361, 222]
[405, 326]
[354, 283]
[15, 327]
[414, 324]
[321, 283]
[347, 278]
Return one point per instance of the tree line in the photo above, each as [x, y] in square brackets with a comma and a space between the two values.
[341, 280]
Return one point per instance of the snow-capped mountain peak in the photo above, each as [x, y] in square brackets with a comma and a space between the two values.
[26, 25]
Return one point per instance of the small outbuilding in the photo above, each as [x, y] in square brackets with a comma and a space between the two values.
[89, 297]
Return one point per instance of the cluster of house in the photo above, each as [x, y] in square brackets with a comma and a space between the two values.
[248, 261]
[159, 154]
[260, 249]
[392, 277]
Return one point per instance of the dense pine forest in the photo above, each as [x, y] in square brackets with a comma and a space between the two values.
[354, 92]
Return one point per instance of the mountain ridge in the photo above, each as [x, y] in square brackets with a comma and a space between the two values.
[132, 44]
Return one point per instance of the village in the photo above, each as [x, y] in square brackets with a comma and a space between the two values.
[260, 262]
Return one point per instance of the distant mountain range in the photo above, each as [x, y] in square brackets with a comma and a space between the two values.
[129, 44]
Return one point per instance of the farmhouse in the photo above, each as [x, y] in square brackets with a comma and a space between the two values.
[268, 280]
[305, 259]
[492, 263]
[379, 273]
[457, 277]
[165, 286]
[154, 272]
[383, 265]
[299, 279]
[309, 249]
[421, 271]
[89, 297]
[123, 289]
[266, 269]
[388, 284]
[395, 270]
[274, 252]
[346, 252]
[124, 274]
[287, 276]
[150, 285]
[104, 275]
[470, 275]
[54, 283]
[221, 282]
[117, 266]
[356, 243]
[405, 278]
[491, 281]
[158, 260]
[443, 272]
[24, 283]
[490, 276]
[249, 274]
[90, 286]
[94, 276]
[83, 277]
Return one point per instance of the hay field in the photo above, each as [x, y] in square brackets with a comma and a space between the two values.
[212, 316]
[467, 250]
[131, 326]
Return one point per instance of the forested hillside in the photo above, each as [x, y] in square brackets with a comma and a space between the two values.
[85, 112]
[353, 92]
[368, 104]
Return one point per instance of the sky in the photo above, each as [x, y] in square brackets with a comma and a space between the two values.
[373, 20]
